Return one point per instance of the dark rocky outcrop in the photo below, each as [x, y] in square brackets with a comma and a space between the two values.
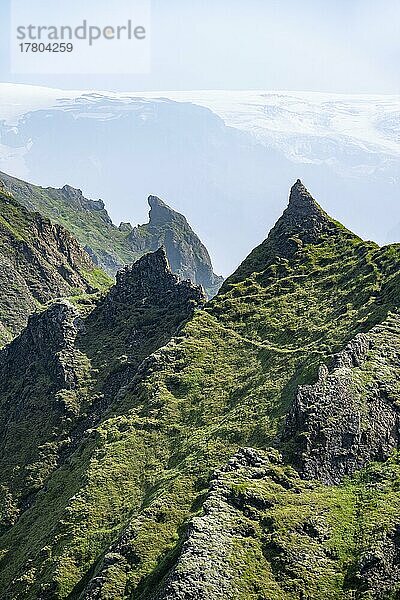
[149, 279]
[40, 372]
[352, 414]
[140, 314]
[188, 257]
[145, 308]
[49, 339]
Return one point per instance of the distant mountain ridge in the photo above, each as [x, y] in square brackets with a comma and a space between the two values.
[223, 158]
[39, 262]
[112, 247]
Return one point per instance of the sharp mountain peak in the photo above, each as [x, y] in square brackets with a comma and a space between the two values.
[303, 218]
[302, 204]
[303, 222]
[161, 213]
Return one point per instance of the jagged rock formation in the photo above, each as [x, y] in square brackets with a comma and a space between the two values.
[45, 372]
[112, 247]
[39, 376]
[39, 261]
[352, 414]
[140, 314]
[303, 222]
[246, 449]
[210, 539]
[187, 256]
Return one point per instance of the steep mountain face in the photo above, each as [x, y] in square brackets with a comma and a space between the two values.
[47, 390]
[39, 261]
[248, 450]
[113, 247]
[187, 256]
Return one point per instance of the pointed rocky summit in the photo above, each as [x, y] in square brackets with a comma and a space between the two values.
[145, 307]
[160, 212]
[302, 203]
[187, 255]
[303, 218]
[303, 222]
[152, 274]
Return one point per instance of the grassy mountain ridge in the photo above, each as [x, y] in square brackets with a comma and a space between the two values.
[112, 247]
[156, 499]
[39, 261]
[50, 363]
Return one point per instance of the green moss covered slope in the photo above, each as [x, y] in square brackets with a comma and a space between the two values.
[39, 261]
[253, 455]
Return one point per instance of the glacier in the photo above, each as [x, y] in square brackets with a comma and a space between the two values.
[224, 158]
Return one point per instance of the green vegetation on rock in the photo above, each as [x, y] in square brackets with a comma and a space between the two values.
[191, 434]
[112, 247]
[39, 262]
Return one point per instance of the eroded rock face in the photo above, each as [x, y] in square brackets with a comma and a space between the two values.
[203, 570]
[188, 257]
[39, 261]
[151, 277]
[39, 374]
[139, 315]
[48, 339]
[147, 286]
[352, 414]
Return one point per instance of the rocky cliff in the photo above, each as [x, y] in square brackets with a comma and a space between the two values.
[246, 448]
[112, 247]
[39, 261]
[187, 256]
[351, 415]
[51, 391]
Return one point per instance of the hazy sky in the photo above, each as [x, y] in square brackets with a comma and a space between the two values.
[331, 45]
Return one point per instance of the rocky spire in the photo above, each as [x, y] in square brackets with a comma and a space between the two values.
[160, 213]
[151, 274]
[303, 222]
[301, 203]
[303, 213]
[149, 282]
[141, 313]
